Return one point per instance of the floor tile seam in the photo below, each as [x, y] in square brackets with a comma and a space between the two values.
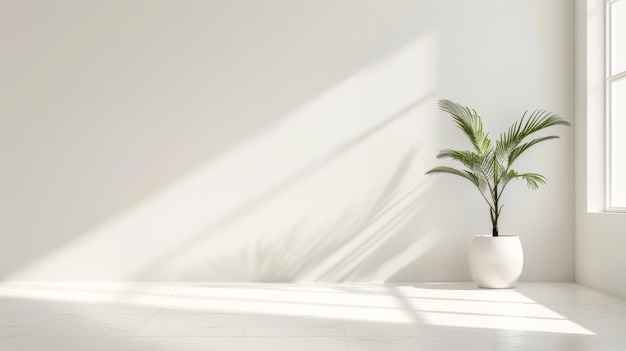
[109, 328]
[345, 334]
[128, 336]
[243, 333]
[292, 336]
[146, 323]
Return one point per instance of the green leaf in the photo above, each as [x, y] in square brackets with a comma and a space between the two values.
[464, 174]
[517, 151]
[469, 159]
[533, 180]
[470, 124]
[507, 146]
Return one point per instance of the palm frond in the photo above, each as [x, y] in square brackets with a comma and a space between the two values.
[472, 177]
[468, 158]
[488, 168]
[482, 166]
[521, 129]
[533, 180]
[470, 124]
[497, 167]
[518, 150]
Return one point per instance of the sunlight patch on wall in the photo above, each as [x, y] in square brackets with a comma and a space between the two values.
[312, 198]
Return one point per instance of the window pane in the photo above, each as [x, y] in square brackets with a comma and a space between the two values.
[618, 36]
[618, 143]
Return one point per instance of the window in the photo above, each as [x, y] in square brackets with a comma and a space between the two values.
[616, 104]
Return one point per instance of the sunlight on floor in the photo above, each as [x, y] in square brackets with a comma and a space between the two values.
[421, 304]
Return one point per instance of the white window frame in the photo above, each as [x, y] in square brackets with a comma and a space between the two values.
[609, 78]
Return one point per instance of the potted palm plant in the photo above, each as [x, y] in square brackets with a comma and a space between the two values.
[496, 260]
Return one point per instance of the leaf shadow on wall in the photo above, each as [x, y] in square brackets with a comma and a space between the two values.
[288, 257]
[113, 146]
[376, 223]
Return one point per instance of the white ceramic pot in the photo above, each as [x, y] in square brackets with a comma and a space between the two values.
[496, 261]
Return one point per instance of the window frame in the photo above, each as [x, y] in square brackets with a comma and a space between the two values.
[609, 78]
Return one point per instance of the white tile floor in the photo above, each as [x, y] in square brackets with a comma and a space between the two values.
[354, 317]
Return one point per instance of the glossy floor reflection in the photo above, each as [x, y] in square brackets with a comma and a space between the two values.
[354, 317]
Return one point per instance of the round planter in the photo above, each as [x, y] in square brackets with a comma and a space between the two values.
[496, 261]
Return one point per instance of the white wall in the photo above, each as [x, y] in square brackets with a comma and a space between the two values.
[600, 237]
[273, 140]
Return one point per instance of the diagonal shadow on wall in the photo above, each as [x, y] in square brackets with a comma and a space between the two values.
[345, 244]
[348, 225]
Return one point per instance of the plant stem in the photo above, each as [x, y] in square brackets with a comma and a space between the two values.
[494, 222]
[496, 211]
